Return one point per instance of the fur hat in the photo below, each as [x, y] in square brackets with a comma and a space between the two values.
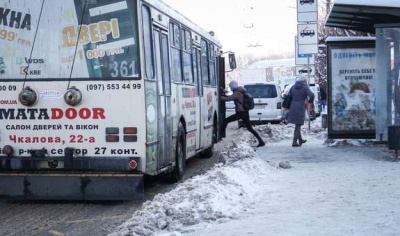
[233, 84]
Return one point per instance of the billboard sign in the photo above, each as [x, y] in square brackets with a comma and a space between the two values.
[351, 84]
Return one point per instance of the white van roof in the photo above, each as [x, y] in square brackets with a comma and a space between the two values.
[266, 82]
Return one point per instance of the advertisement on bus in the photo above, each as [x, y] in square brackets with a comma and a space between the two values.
[49, 47]
[44, 39]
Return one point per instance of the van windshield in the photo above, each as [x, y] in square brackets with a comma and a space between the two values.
[262, 90]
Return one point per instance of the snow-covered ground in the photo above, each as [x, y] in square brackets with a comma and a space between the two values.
[334, 187]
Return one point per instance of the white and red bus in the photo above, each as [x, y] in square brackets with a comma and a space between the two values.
[97, 94]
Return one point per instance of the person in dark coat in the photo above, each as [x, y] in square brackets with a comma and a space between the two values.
[323, 98]
[301, 93]
[240, 113]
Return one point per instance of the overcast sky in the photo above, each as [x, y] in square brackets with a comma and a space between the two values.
[240, 25]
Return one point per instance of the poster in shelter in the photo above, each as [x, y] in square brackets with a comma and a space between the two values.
[352, 105]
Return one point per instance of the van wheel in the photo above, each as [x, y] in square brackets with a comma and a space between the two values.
[180, 158]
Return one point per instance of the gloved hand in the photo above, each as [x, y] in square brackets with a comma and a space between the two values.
[222, 91]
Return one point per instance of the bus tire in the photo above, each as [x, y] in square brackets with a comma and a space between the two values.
[180, 157]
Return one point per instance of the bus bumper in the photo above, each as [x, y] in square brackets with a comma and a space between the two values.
[71, 186]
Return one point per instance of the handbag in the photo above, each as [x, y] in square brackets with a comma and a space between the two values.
[287, 101]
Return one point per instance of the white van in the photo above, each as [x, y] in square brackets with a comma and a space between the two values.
[317, 100]
[267, 102]
[286, 82]
[229, 108]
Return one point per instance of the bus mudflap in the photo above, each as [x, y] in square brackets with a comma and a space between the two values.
[71, 186]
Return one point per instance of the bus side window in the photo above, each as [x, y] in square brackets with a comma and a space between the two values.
[195, 70]
[187, 57]
[204, 62]
[197, 58]
[176, 62]
[213, 78]
[165, 56]
[147, 39]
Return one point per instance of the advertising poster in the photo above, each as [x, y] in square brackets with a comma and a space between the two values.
[352, 93]
[68, 39]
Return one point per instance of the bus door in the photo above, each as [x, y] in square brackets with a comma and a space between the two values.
[221, 84]
[199, 94]
[165, 155]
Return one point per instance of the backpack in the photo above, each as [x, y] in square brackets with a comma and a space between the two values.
[248, 101]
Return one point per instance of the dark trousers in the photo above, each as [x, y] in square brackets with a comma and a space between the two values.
[297, 139]
[244, 116]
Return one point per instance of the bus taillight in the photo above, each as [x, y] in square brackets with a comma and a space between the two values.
[130, 130]
[111, 138]
[130, 134]
[112, 134]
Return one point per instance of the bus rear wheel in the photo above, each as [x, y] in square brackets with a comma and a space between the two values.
[180, 158]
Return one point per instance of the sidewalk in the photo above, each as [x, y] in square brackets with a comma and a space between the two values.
[349, 188]
[343, 189]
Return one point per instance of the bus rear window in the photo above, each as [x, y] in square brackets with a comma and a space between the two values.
[71, 38]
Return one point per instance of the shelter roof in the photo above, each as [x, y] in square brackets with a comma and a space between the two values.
[363, 15]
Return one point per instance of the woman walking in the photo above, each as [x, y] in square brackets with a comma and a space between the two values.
[301, 94]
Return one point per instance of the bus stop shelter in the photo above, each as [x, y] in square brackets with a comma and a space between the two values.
[381, 18]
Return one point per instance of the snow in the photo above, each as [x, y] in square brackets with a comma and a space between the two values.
[334, 187]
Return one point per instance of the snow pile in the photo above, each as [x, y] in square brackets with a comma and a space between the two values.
[224, 192]
[349, 142]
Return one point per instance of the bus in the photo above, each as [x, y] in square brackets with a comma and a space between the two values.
[96, 95]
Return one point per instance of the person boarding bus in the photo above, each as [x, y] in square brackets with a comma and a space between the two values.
[240, 113]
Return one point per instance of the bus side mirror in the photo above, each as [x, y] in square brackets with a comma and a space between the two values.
[232, 60]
